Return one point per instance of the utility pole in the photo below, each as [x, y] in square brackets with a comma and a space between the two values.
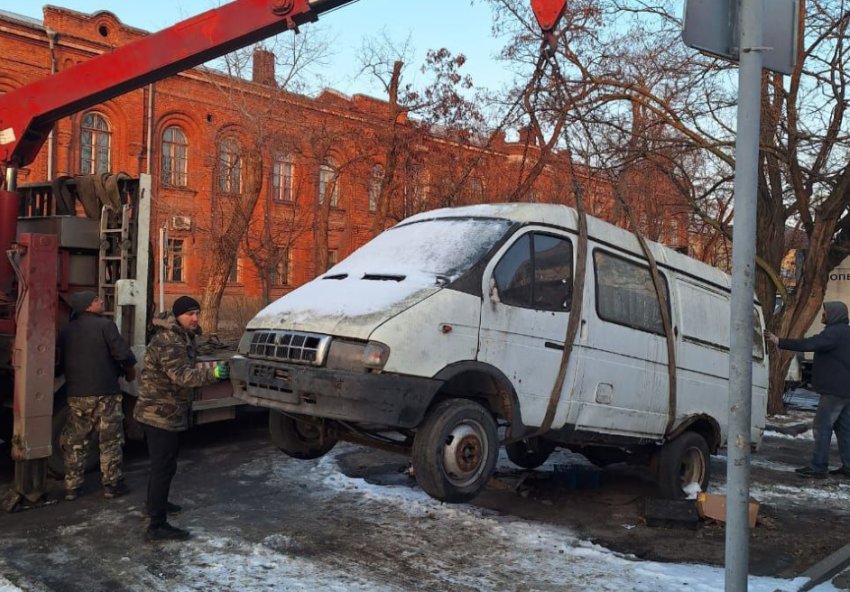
[750, 19]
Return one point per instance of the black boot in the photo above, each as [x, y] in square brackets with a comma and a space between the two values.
[840, 472]
[117, 490]
[810, 473]
[165, 532]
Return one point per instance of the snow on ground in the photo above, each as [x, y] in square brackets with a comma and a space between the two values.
[6, 585]
[808, 435]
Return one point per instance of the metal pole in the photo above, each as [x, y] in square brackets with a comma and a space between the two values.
[743, 276]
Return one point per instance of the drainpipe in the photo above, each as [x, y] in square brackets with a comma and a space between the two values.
[51, 39]
[150, 126]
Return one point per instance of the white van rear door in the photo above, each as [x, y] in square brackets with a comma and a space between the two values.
[525, 309]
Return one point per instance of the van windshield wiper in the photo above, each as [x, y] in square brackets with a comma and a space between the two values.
[339, 276]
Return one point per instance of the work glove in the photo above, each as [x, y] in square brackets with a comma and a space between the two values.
[222, 371]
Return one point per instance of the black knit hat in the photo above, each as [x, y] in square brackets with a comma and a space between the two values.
[185, 304]
[80, 301]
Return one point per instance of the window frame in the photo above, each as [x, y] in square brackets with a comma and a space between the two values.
[226, 169]
[169, 261]
[621, 323]
[177, 178]
[376, 180]
[284, 263]
[234, 271]
[532, 255]
[95, 143]
[335, 253]
[329, 166]
[278, 185]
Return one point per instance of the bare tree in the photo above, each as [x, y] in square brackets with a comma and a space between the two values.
[628, 54]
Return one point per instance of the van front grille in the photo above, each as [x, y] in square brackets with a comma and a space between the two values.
[290, 346]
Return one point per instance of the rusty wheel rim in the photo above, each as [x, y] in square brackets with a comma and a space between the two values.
[465, 453]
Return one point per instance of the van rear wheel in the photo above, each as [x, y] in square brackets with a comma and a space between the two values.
[530, 454]
[682, 462]
[455, 451]
[299, 439]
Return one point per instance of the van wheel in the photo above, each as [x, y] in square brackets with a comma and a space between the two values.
[681, 462]
[299, 439]
[530, 454]
[56, 461]
[455, 451]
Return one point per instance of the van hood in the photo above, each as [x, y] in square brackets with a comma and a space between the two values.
[351, 307]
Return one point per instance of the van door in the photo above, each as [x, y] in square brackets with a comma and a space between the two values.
[527, 296]
[624, 382]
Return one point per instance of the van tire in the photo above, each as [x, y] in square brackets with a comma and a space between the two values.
[526, 455]
[455, 474]
[685, 458]
[298, 439]
[56, 460]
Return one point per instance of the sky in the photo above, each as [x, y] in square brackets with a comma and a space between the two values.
[462, 26]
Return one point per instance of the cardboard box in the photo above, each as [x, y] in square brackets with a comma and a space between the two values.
[714, 507]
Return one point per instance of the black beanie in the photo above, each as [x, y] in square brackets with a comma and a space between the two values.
[80, 301]
[185, 304]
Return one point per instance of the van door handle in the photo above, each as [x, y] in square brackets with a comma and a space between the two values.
[676, 331]
[551, 345]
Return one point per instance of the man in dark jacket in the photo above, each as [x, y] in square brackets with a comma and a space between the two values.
[166, 392]
[93, 355]
[830, 379]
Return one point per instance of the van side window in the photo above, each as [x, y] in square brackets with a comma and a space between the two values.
[537, 272]
[626, 295]
[513, 274]
[553, 273]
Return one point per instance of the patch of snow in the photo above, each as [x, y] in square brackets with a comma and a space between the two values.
[809, 435]
[426, 255]
[547, 549]
[7, 586]
[692, 491]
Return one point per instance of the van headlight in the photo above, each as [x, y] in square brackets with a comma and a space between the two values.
[375, 355]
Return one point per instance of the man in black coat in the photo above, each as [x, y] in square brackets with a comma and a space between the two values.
[93, 355]
[830, 379]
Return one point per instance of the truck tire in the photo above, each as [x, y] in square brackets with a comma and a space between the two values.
[681, 462]
[455, 451]
[56, 462]
[528, 454]
[298, 439]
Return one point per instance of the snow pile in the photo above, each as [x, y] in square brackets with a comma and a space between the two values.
[692, 491]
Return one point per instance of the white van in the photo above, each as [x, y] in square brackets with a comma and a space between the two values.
[453, 323]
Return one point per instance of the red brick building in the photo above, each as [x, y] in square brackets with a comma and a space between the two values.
[191, 131]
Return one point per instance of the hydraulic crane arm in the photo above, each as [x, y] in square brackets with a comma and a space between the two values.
[28, 114]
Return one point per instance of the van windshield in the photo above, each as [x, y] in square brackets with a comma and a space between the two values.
[430, 251]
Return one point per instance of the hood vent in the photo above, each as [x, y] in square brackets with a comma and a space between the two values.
[384, 278]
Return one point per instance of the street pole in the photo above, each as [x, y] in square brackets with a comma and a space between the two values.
[743, 280]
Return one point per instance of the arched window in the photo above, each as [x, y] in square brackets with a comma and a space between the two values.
[284, 169]
[229, 167]
[175, 153]
[375, 182]
[96, 146]
[328, 174]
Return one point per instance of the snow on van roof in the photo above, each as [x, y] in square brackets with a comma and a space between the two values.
[566, 217]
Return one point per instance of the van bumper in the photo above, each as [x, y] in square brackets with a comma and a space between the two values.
[384, 399]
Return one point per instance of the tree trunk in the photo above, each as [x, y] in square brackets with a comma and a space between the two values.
[226, 249]
[391, 165]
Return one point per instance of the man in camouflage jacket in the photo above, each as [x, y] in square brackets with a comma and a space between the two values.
[92, 356]
[166, 392]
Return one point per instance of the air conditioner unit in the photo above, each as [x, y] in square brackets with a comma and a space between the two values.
[181, 223]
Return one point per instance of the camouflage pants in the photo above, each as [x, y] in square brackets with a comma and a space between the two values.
[88, 415]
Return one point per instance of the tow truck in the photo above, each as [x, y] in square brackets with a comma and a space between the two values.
[47, 250]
